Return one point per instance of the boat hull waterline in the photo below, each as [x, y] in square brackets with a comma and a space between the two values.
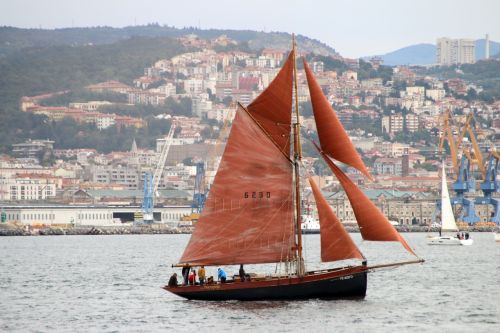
[345, 283]
[444, 240]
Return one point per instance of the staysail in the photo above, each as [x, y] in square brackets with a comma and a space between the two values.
[272, 108]
[373, 225]
[447, 218]
[333, 138]
[248, 215]
[336, 244]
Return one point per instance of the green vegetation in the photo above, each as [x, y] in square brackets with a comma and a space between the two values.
[366, 71]
[412, 137]
[42, 70]
[367, 124]
[483, 73]
[330, 64]
[69, 134]
[426, 166]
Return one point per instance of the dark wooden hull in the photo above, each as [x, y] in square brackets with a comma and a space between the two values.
[344, 283]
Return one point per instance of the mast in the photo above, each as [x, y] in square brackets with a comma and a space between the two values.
[297, 156]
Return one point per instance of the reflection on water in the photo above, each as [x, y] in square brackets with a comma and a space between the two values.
[113, 283]
[236, 306]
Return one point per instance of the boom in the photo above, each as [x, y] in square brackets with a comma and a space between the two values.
[478, 157]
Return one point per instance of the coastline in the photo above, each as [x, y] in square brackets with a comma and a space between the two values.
[13, 230]
[90, 230]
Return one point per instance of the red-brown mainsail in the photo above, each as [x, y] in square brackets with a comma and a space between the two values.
[248, 216]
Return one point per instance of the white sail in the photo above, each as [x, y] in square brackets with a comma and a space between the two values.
[447, 218]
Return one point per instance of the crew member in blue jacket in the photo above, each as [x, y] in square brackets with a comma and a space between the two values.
[221, 275]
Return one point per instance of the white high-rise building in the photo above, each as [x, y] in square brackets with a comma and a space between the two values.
[455, 51]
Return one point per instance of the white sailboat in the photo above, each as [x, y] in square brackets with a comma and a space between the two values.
[448, 223]
[310, 225]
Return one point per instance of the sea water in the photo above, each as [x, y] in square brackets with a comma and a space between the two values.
[112, 284]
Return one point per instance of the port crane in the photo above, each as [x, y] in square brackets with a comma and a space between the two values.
[464, 182]
[151, 181]
[474, 155]
[199, 195]
[491, 185]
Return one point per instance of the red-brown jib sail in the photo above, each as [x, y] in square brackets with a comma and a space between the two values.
[373, 225]
[333, 138]
[336, 244]
[248, 216]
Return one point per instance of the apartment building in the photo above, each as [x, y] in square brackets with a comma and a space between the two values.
[455, 51]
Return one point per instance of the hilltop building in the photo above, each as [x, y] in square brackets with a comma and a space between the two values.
[455, 51]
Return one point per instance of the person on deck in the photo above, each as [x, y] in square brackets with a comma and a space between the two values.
[201, 275]
[192, 278]
[185, 274]
[242, 273]
[221, 275]
[173, 280]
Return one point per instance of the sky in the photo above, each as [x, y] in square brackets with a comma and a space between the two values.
[353, 27]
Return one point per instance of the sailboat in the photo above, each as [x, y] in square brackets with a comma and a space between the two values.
[309, 224]
[253, 216]
[448, 223]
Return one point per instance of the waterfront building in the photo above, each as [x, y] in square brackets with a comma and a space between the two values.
[405, 208]
[87, 215]
[115, 174]
[26, 188]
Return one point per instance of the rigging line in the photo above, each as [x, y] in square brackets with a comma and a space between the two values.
[283, 241]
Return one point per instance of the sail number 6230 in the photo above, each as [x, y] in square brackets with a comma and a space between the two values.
[257, 195]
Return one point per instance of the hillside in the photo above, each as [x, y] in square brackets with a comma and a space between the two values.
[13, 39]
[36, 70]
[39, 61]
[425, 54]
